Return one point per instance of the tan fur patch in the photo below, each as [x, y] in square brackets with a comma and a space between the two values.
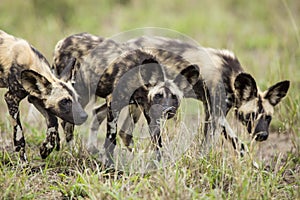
[269, 109]
[249, 106]
[19, 50]
[160, 89]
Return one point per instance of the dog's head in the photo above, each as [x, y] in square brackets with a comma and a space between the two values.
[57, 96]
[163, 94]
[254, 108]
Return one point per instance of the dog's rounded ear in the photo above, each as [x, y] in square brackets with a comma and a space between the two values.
[276, 92]
[35, 84]
[187, 78]
[245, 87]
[69, 72]
[138, 70]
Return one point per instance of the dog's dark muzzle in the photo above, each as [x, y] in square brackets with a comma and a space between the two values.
[79, 116]
[75, 115]
[261, 136]
[169, 112]
[261, 131]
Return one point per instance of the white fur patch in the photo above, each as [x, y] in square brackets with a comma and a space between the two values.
[49, 146]
[227, 53]
[19, 133]
[113, 125]
[160, 89]
[51, 129]
[92, 140]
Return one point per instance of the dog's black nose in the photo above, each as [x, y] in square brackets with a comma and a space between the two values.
[261, 136]
[169, 112]
[83, 117]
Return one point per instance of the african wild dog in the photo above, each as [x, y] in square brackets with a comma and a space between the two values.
[227, 86]
[157, 80]
[151, 79]
[25, 72]
[69, 54]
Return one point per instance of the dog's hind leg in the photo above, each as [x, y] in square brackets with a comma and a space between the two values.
[99, 114]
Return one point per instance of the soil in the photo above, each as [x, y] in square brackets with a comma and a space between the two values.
[277, 144]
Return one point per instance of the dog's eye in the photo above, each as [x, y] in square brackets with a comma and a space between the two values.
[240, 116]
[174, 96]
[248, 117]
[65, 104]
[268, 118]
[251, 116]
[158, 96]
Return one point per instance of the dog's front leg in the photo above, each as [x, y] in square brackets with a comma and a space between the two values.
[154, 122]
[68, 130]
[110, 140]
[12, 102]
[230, 135]
[52, 139]
[128, 125]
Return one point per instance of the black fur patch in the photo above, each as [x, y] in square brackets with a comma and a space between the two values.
[200, 90]
[245, 87]
[40, 56]
[67, 70]
[277, 92]
[64, 59]
[149, 60]
[260, 106]
[234, 141]
[105, 85]
[67, 42]
[1, 68]
[231, 63]
[66, 88]
[14, 85]
[231, 66]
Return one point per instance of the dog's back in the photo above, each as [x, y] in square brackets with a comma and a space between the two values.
[76, 46]
[18, 52]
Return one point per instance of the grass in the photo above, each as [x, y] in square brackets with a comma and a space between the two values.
[265, 37]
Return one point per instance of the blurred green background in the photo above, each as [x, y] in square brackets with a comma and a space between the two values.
[263, 34]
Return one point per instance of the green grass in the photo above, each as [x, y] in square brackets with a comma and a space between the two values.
[263, 34]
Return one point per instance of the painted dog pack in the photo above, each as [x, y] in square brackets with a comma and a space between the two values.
[212, 76]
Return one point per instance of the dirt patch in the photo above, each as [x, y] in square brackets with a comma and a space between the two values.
[277, 144]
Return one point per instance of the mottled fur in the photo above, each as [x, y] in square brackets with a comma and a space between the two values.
[69, 54]
[228, 86]
[144, 77]
[25, 72]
